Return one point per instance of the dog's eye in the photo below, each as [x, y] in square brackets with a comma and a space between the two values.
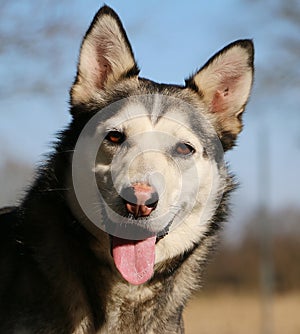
[184, 149]
[115, 137]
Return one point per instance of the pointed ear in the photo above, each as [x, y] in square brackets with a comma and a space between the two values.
[105, 57]
[224, 84]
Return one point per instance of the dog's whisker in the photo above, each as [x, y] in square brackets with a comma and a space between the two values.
[56, 189]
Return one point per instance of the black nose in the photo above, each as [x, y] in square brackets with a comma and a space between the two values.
[140, 199]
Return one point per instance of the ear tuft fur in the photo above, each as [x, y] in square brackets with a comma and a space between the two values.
[224, 84]
[105, 57]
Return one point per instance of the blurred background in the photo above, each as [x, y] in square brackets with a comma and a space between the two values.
[253, 281]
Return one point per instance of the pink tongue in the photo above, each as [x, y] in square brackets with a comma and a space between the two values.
[134, 258]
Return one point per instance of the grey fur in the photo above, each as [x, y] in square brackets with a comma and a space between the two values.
[57, 274]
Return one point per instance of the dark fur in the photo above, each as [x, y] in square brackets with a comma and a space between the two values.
[54, 273]
[47, 256]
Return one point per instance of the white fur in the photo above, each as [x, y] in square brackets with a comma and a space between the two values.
[145, 155]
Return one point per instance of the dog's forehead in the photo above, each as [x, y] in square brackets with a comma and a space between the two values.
[154, 112]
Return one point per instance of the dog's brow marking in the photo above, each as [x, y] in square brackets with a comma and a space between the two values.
[156, 109]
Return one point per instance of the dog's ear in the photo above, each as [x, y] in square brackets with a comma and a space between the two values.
[105, 57]
[224, 84]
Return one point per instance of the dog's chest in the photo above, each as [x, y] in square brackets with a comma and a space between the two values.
[129, 309]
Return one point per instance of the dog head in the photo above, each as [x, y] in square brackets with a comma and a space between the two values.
[154, 152]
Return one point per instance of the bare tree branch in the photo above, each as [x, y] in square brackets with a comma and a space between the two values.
[34, 33]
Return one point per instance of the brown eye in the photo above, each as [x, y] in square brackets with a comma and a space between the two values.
[115, 137]
[184, 149]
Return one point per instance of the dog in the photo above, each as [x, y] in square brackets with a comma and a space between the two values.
[114, 233]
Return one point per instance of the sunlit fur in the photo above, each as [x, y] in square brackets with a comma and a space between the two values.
[57, 274]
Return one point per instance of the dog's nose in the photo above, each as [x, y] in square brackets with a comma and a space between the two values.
[140, 199]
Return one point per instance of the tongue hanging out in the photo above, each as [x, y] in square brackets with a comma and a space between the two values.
[134, 258]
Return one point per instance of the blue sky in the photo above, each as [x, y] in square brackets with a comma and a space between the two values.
[170, 39]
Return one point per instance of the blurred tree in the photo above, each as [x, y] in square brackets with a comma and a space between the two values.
[284, 44]
[237, 266]
[36, 43]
